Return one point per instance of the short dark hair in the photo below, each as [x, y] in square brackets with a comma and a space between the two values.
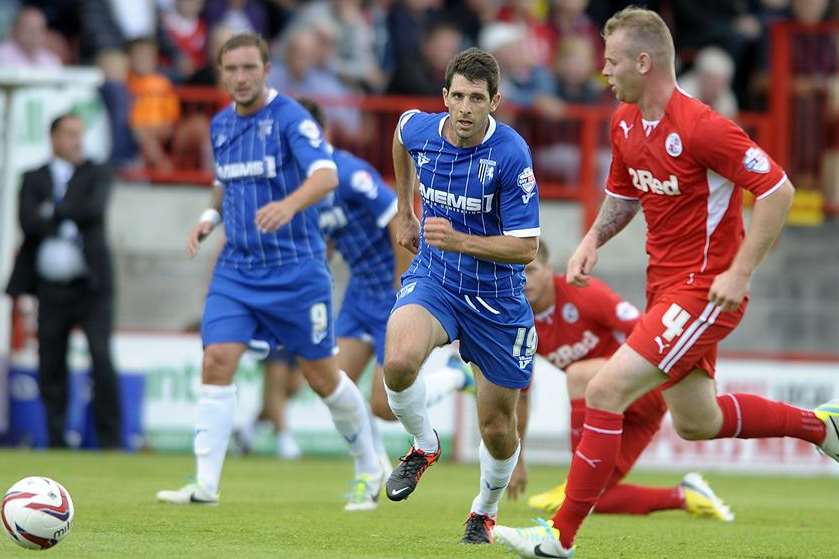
[245, 40]
[314, 109]
[56, 122]
[475, 64]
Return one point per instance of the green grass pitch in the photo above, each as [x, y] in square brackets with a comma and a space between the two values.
[294, 510]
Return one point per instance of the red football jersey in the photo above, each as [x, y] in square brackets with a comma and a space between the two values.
[584, 323]
[686, 173]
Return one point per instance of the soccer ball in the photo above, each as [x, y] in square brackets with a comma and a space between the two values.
[37, 512]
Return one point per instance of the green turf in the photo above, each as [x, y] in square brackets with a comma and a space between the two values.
[293, 510]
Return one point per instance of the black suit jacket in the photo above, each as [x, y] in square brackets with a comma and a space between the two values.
[84, 203]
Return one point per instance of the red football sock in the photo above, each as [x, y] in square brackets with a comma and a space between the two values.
[591, 468]
[636, 499]
[578, 416]
[747, 416]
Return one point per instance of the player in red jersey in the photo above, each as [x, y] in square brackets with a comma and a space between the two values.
[579, 329]
[686, 166]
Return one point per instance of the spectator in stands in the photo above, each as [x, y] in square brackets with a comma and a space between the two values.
[427, 75]
[26, 48]
[297, 73]
[470, 16]
[568, 17]
[354, 60]
[530, 16]
[188, 33]
[524, 83]
[574, 71]
[156, 108]
[117, 99]
[407, 22]
[208, 74]
[111, 24]
[732, 26]
[65, 262]
[710, 80]
[242, 16]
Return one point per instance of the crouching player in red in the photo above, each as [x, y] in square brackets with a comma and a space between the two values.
[579, 329]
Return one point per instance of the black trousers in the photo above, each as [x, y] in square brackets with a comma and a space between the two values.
[60, 308]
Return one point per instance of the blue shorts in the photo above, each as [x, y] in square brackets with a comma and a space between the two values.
[495, 333]
[364, 316]
[289, 306]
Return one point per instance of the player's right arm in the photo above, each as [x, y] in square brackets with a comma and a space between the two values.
[207, 222]
[618, 209]
[405, 223]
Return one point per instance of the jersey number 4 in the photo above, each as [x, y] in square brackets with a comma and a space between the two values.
[674, 321]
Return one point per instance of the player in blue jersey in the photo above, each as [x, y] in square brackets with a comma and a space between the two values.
[359, 221]
[270, 281]
[480, 226]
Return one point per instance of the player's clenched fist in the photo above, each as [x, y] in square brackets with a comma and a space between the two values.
[439, 233]
[198, 233]
[581, 264]
[274, 215]
[407, 231]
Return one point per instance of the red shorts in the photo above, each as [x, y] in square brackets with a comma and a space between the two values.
[680, 332]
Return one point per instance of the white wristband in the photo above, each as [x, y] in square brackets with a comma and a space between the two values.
[210, 215]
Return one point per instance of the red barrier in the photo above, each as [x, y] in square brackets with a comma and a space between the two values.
[570, 154]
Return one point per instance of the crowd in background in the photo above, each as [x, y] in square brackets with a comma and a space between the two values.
[550, 52]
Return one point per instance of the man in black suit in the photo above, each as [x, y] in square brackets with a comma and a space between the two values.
[65, 262]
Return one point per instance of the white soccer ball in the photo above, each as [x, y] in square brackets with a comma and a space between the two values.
[37, 512]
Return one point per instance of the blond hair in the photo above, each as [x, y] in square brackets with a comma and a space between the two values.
[646, 32]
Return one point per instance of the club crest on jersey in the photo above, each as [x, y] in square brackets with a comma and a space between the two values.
[422, 159]
[673, 144]
[570, 314]
[486, 170]
[756, 161]
[527, 182]
[264, 128]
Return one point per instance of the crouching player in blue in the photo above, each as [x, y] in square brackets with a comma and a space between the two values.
[270, 281]
[359, 221]
[480, 226]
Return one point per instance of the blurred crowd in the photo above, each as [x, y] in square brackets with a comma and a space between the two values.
[550, 52]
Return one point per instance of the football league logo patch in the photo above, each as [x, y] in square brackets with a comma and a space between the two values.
[527, 182]
[673, 145]
[756, 161]
[309, 129]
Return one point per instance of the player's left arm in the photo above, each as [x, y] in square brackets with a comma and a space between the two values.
[310, 153]
[724, 148]
[768, 217]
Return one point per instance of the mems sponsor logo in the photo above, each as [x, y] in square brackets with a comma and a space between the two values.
[260, 168]
[457, 202]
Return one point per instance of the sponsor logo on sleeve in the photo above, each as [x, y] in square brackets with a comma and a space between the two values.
[362, 182]
[756, 161]
[527, 182]
[309, 129]
[626, 311]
